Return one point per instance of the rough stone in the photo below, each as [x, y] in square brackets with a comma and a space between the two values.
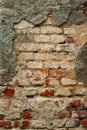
[7, 61]
[80, 66]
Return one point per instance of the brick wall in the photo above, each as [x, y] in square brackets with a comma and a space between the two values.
[44, 94]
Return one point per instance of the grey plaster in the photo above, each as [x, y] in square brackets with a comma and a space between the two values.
[81, 64]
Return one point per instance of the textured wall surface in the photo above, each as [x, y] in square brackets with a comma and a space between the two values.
[40, 62]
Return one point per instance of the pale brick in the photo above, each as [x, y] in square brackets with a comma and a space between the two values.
[66, 47]
[51, 64]
[47, 47]
[68, 81]
[25, 56]
[22, 78]
[66, 65]
[38, 123]
[47, 30]
[72, 123]
[59, 123]
[42, 38]
[34, 65]
[47, 56]
[69, 30]
[57, 38]
[23, 24]
[4, 102]
[54, 38]
[26, 47]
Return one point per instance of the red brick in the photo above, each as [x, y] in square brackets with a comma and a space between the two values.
[7, 124]
[57, 72]
[1, 117]
[1, 123]
[85, 12]
[27, 115]
[16, 124]
[82, 114]
[65, 114]
[9, 92]
[69, 39]
[75, 103]
[24, 125]
[47, 92]
[17, 82]
[84, 123]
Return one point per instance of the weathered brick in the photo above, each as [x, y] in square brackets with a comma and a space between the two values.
[4, 102]
[27, 47]
[27, 115]
[24, 125]
[51, 64]
[23, 24]
[65, 47]
[47, 47]
[7, 124]
[51, 81]
[69, 39]
[72, 123]
[84, 123]
[34, 65]
[59, 123]
[65, 114]
[47, 92]
[38, 124]
[16, 124]
[25, 56]
[69, 30]
[47, 30]
[9, 92]
[49, 38]
[75, 103]
[57, 72]
[67, 81]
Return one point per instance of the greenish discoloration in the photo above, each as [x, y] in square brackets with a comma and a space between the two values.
[81, 64]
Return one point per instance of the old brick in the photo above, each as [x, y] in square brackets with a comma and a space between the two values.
[25, 56]
[65, 114]
[16, 124]
[47, 47]
[85, 12]
[34, 65]
[29, 47]
[84, 123]
[7, 124]
[27, 115]
[82, 114]
[24, 125]
[1, 117]
[75, 103]
[39, 124]
[57, 72]
[47, 92]
[51, 64]
[69, 39]
[69, 30]
[1, 123]
[51, 81]
[47, 30]
[72, 123]
[67, 81]
[9, 92]
[4, 102]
